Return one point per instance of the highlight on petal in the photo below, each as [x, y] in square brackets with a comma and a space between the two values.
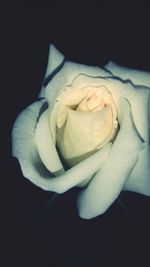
[107, 183]
[139, 77]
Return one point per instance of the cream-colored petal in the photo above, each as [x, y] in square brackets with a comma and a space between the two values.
[84, 133]
[46, 147]
[136, 76]
[82, 86]
[109, 181]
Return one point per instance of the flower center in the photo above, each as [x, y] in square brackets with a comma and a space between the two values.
[92, 103]
[85, 122]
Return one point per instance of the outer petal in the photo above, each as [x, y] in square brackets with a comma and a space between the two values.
[24, 147]
[55, 59]
[136, 76]
[139, 180]
[139, 98]
[109, 181]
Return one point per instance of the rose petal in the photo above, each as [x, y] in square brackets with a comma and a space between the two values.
[138, 97]
[65, 77]
[139, 180]
[24, 147]
[136, 76]
[55, 59]
[46, 147]
[109, 181]
[75, 142]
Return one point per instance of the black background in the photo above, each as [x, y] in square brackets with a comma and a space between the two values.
[86, 33]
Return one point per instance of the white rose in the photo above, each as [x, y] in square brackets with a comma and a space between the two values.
[96, 122]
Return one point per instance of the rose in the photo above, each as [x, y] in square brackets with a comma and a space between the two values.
[95, 121]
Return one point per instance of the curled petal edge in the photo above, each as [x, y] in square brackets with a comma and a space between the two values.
[138, 77]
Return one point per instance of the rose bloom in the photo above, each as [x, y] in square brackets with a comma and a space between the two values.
[89, 128]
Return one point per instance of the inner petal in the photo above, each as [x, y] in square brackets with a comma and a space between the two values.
[76, 142]
[92, 102]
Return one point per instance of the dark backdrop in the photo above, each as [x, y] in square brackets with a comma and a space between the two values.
[86, 33]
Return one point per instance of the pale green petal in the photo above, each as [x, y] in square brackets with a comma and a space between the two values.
[137, 96]
[81, 173]
[139, 180]
[24, 147]
[110, 180]
[136, 76]
[55, 58]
